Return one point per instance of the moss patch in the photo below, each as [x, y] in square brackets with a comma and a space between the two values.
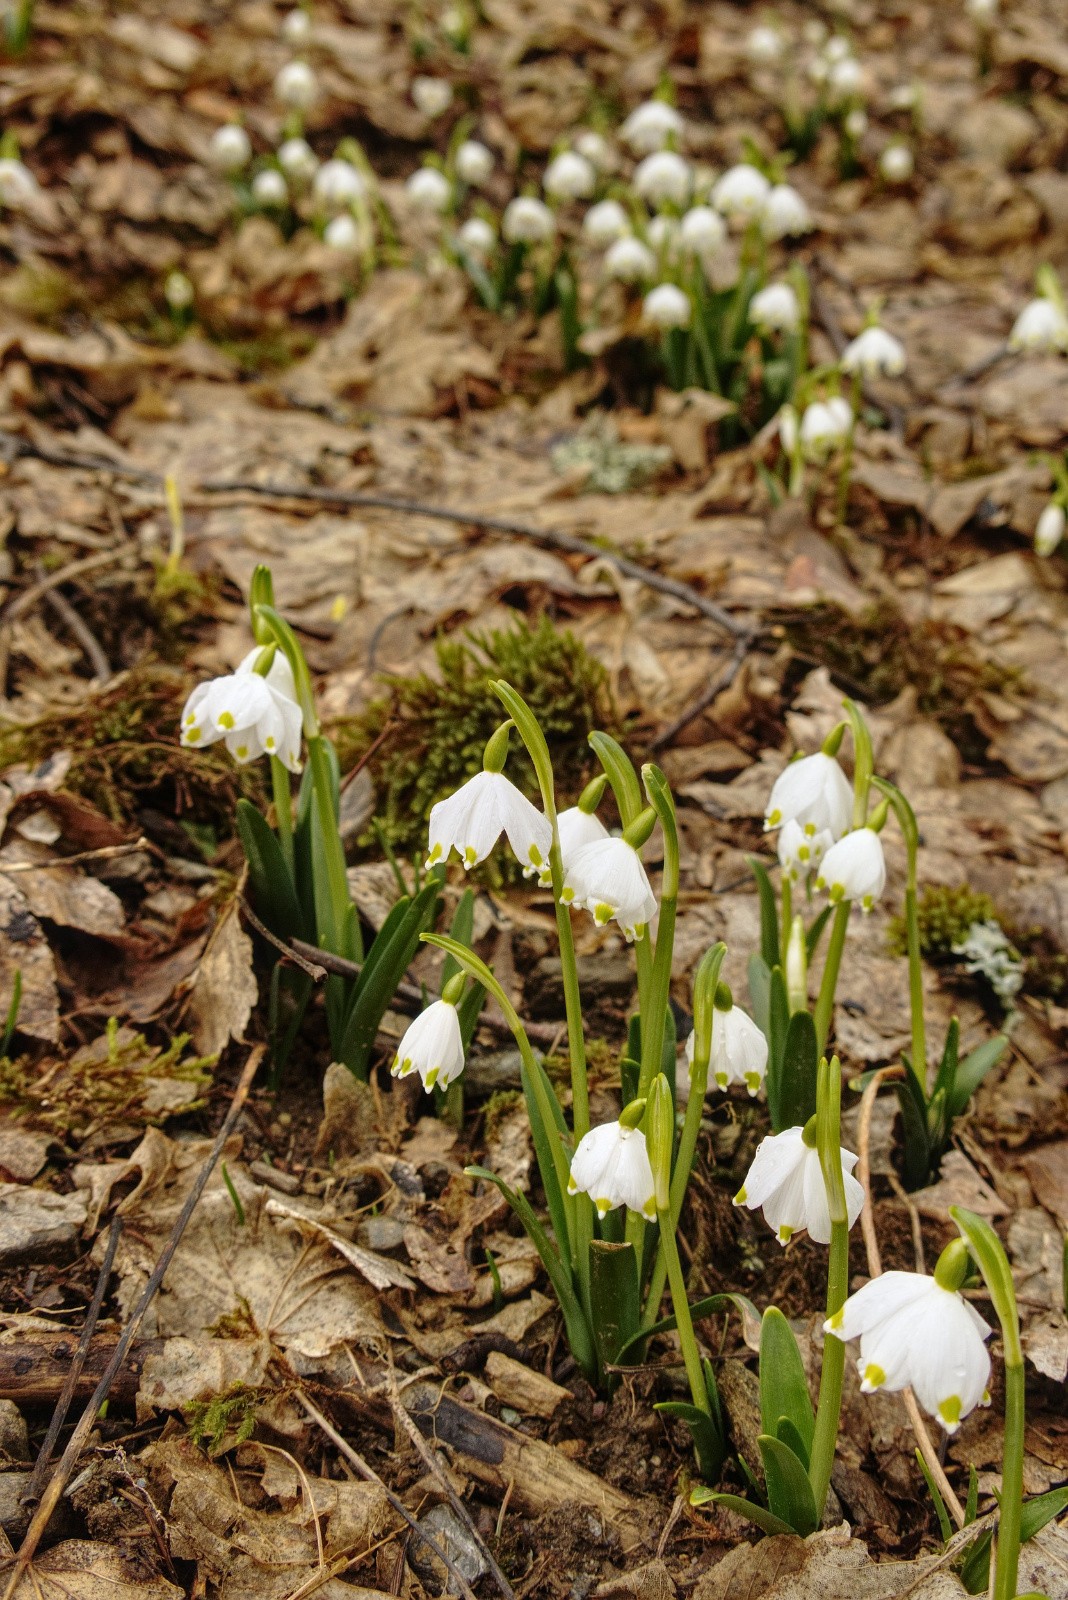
[945, 914]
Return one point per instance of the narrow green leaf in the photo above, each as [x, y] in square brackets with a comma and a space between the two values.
[757, 1515]
[273, 892]
[917, 1145]
[760, 992]
[778, 1026]
[785, 1430]
[709, 1444]
[712, 1303]
[388, 961]
[936, 1495]
[789, 1491]
[613, 1297]
[972, 1070]
[800, 1061]
[783, 1385]
[548, 1144]
[769, 913]
[972, 1505]
[815, 932]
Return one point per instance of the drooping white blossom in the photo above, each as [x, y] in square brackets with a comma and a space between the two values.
[813, 792]
[527, 220]
[1049, 530]
[253, 713]
[652, 126]
[629, 261]
[473, 819]
[339, 184]
[569, 176]
[230, 148]
[785, 1181]
[343, 233]
[825, 425]
[478, 238]
[775, 309]
[897, 163]
[915, 1334]
[178, 291]
[577, 828]
[474, 163]
[611, 1165]
[741, 192]
[739, 1051]
[607, 878]
[432, 1046]
[432, 96]
[297, 86]
[604, 223]
[596, 149]
[296, 27]
[429, 190]
[875, 353]
[269, 188]
[764, 46]
[784, 214]
[298, 160]
[854, 869]
[668, 306]
[663, 178]
[1041, 328]
[702, 231]
[801, 851]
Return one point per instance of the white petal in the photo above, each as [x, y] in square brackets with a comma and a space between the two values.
[634, 1175]
[592, 1155]
[432, 1046]
[776, 1158]
[950, 1364]
[577, 828]
[877, 1300]
[817, 1212]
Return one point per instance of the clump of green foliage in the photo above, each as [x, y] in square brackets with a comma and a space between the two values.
[229, 1417]
[612, 465]
[125, 754]
[115, 1081]
[428, 736]
[945, 915]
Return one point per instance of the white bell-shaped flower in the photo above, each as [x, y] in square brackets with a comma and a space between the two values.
[1041, 327]
[1049, 530]
[856, 122]
[663, 178]
[298, 160]
[897, 163]
[604, 223]
[339, 184]
[741, 192]
[18, 186]
[577, 828]
[824, 426]
[596, 149]
[478, 238]
[296, 86]
[629, 261]
[178, 291]
[739, 1052]
[874, 353]
[775, 309]
[785, 1181]
[252, 713]
[663, 234]
[801, 850]
[569, 176]
[814, 792]
[763, 46]
[527, 220]
[702, 231]
[611, 1165]
[474, 163]
[668, 306]
[982, 11]
[607, 878]
[788, 429]
[429, 190]
[342, 233]
[784, 214]
[652, 126]
[269, 188]
[230, 148]
[296, 27]
[432, 96]
[854, 869]
[913, 1333]
[432, 1046]
[473, 819]
[844, 80]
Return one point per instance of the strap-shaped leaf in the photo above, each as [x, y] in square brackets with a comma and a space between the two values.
[789, 1491]
[614, 1300]
[273, 890]
[770, 946]
[706, 1308]
[708, 1442]
[760, 992]
[783, 1385]
[778, 1027]
[758, 1515]
[972, 1070]
[1034, 1515]
[388, 961]
[550, 1147]
[800, 1061]
[917, 1142]
[815, 932]
[579, 1339]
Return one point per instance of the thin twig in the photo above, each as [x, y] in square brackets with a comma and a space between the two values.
[714, 688]
[875, 1267]
[70, 1383]
[369, 1474]
[401, 1416]
[76, 1444]
[107, 852]
[52, 580]
[315, 969]
[82, 633]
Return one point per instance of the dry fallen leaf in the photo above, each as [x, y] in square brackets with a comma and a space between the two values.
[224, 990]
[83, 1569]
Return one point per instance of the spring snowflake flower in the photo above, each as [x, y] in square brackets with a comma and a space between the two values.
[652, 126]
[18, 186]
[874, 353]
[527, 220]
[789, 432]
[854, 868]
[604, 223]
[785, 1181]
[576, 829]
[897, 163]
[473, 819]
[1041, 327]
[230, 149]
[474, 163]
[784, 214]
[663, 234]
[914, 1333]
[569, 176]
[612, 1166]
[269, 188]
[844, 80]
[298, 160]
[178, 291]
[432, 96]
[432, 1046]
[296, 86]
[342, 233]
[801, 851]
[338, 184]
[856, 123]
[667, 306]
[702, 231]
[775, 309]
[296, 27]
[663, 178]
[763, 46]
[982, 11]
[254, 714]
[606, 878]
[741, 192]
[478, 239]
[595, 148]
[629, 261]
[824, 426]
[429, 190]
[815, 793]
[739, 1051]
[1049, 530]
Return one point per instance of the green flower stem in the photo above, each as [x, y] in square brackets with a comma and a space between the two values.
[681, 1306]
[654, 1012]
[628, 797]
[333, 851]
[989, 1253]
[787, 919]
[906, 818]
[530, 732]
[829, 1405]
[283, 806]
[829, 981]
[863, 763]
